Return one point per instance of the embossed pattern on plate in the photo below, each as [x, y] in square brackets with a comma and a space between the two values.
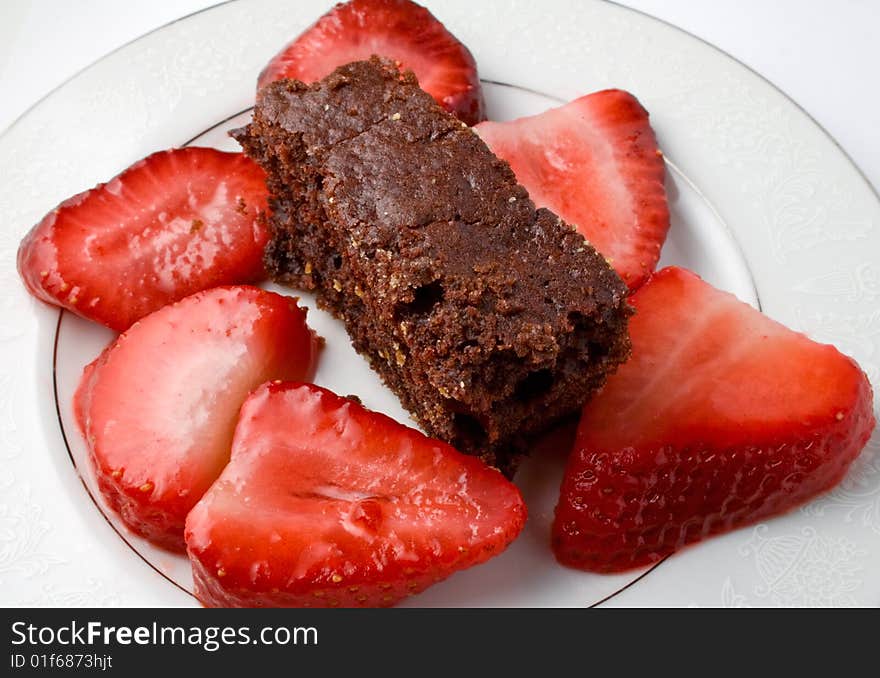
[807, 224]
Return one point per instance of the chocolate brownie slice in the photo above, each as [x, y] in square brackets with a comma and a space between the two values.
[490, 319]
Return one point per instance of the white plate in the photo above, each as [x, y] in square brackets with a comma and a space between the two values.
[764, 204]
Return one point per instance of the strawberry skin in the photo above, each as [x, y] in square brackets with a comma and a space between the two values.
[159, 405]
[397, 29]
[721, 417]
[325, 503]
[174, 223]
[595, 163]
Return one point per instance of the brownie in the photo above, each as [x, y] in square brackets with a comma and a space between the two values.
[489, 318]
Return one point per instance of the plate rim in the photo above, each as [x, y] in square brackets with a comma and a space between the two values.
[843, 153]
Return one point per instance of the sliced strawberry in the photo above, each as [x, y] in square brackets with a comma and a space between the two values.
[397, 29]
[720, 418]
[596, 164]
[325, 503]
[159, 405]
[177, 222]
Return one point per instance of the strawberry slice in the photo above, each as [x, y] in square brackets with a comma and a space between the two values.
[595, 162]
[397, 29]
[159, 405]
[721, 417]
[325, 503]
[177, 222]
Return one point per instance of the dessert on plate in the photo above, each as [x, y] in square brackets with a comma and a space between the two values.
[489, 318]
[468, 284]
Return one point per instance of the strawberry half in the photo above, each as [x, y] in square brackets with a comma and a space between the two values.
[595, 162]
[720, 418]
[159, 405]
[176, 222]
[325, 503]
[397, 29]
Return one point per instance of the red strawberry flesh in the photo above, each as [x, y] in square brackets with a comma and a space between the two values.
[325, 503]
[159, 405]
[595, 162]
[173, 224]
[397, 29]
[721, 417]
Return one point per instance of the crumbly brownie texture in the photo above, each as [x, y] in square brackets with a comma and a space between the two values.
[490, 319]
